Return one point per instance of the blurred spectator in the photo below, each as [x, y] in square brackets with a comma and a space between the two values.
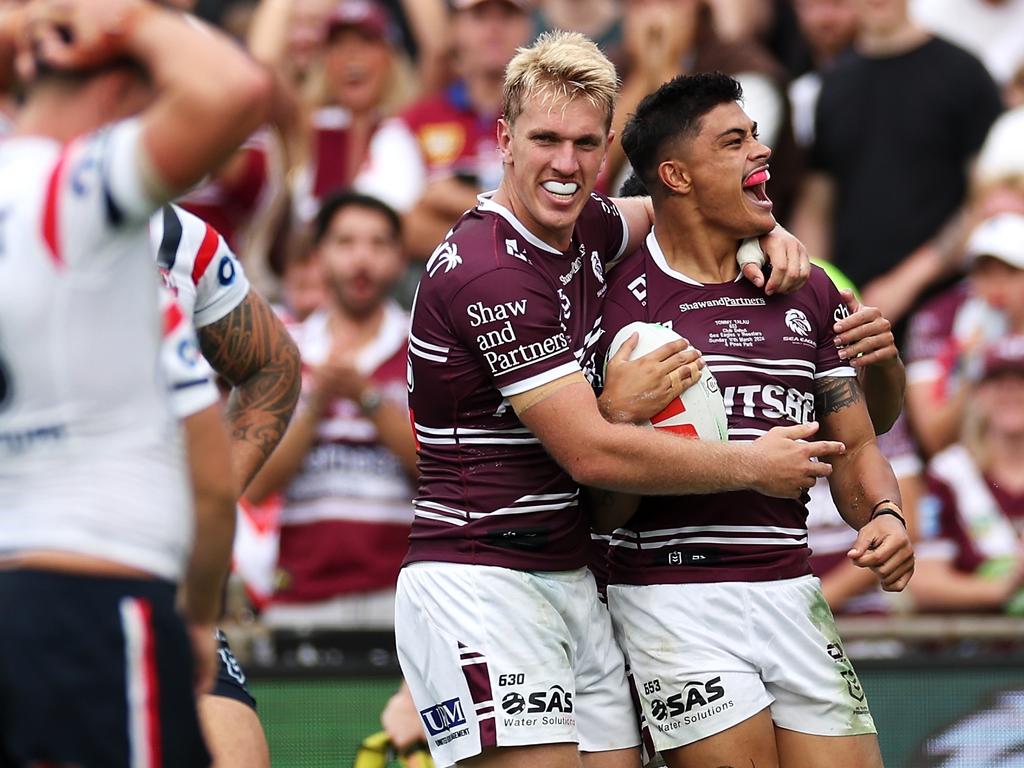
[897, 122]
[993, 30]
[970, 555]
[664, 38]
[945, 337]
[828, 27]
[359, 67]
[600, 20]
[431, 161]
[346, 461]
[239, 191]
[302, 286]
[849, 589]
[1001, 159]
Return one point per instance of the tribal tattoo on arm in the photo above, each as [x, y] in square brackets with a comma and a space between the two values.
[834, 393]
[251, 348]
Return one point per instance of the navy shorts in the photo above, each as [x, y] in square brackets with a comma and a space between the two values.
[230, 682]
[95, 672]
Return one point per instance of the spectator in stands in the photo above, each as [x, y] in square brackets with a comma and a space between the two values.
[828, 28]
[970, 557]
[897, 123]
[346, 461]
[302, 286]
[946, 336]
[600, 20]
[664, 38]
[359, 69]
[431, 161]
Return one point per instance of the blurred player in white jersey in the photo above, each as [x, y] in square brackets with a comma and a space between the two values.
[734, 650]
[247, 344]
[95, 518]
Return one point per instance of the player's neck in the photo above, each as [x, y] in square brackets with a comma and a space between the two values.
[351, 330]
[50, 113]
[699, 252]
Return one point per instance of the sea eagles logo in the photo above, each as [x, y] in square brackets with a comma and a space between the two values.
[445, 255]
[797, 322]
[595, 262]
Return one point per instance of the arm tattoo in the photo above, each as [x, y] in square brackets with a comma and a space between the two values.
[252, 350]
[834, 393]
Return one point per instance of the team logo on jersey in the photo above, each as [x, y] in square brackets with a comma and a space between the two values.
[639, 288]
[797, 322]
[512, 249]
[445, 256]
[595, 263]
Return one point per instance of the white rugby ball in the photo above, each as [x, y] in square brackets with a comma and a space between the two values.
[697, 413]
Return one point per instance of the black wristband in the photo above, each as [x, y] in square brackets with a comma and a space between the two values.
[888, 511]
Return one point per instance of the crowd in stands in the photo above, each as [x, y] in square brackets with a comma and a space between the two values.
[898, 136]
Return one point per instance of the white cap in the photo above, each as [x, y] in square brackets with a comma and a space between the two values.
[1001, 237]
[1002, 155]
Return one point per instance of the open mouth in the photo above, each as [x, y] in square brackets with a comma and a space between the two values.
[754, 187]
[563, 191]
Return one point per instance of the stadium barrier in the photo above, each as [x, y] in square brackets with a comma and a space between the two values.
[946, 692]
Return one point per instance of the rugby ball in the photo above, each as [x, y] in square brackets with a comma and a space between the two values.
[697, 413]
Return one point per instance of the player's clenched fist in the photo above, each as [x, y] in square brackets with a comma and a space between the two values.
[883, 545]
[787, 467]
[78, 34]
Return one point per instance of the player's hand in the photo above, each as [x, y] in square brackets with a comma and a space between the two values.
[636, 390]
[865, 337]
[785, 465]
[401, 720]
[883, 545]
[791, 265]
[79, 34]
[204, 656]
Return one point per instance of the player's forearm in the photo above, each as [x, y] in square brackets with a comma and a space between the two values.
[252, 350]
[286, 460]
[861, 478]
[211, 95]
[214, 497]
[641, 461]
[884, 385]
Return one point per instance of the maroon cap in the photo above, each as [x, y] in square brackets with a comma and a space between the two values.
[1004, 356]
[365, 15]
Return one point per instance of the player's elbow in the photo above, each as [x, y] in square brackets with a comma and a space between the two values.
[594, 467]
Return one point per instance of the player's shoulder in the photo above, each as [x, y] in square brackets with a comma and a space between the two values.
[622, 280]
[480, 243]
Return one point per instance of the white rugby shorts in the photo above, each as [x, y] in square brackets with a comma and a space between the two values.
[706, 657]
[499, 658]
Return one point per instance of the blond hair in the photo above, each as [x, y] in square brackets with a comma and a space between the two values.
[559, 66]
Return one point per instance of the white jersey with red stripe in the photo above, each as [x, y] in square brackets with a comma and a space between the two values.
[197, 265]
[91, 459]
[189, 376]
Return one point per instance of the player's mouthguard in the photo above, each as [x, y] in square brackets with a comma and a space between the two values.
[561, 188]
[759, 176]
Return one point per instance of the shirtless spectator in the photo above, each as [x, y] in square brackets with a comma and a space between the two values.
[346, 461]
[431, 161]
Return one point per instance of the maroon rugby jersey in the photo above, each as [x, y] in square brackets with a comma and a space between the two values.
[765, 352]
[497, 313]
